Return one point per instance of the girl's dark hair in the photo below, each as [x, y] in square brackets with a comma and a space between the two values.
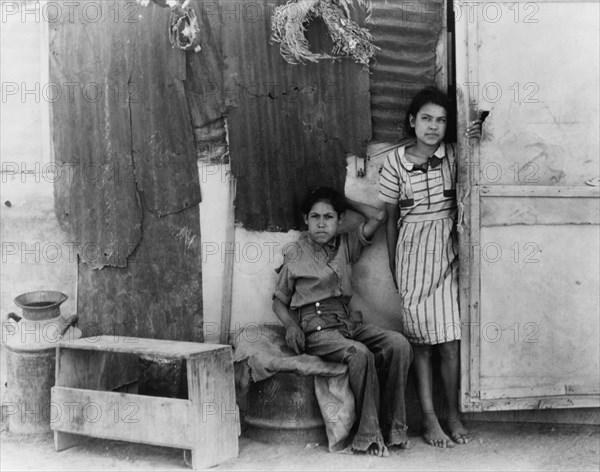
[324, 194]
[425, 96]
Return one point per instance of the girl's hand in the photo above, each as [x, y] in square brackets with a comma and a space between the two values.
[474, 130]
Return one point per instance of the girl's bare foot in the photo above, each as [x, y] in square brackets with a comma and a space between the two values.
[458, 432]
[434, 435]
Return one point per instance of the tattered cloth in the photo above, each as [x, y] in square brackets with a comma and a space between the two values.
[260, 351]
[184, 31]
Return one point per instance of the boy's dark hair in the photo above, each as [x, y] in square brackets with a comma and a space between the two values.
[324, 194]
[425, 96]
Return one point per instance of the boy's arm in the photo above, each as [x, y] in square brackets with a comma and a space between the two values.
[392, 210]
[294, 336]
[375, 217]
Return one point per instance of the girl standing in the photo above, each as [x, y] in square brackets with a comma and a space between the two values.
[417, 184]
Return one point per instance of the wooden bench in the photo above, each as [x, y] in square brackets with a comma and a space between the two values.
[83, 403]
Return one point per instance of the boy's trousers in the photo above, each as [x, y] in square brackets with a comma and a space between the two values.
[378, 361]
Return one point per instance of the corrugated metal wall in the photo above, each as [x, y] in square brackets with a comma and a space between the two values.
[130, 204]
[290, 126]
[408, 35]
[204, 86]
[133, 152]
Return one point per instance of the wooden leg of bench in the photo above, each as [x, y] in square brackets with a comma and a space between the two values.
[211, 389]
[64, 441]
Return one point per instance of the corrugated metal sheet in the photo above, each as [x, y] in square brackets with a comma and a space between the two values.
[159, 293]
[408, 34]
[143, 203]
[290, 126]
[124, 130]
[164, 153]
[96, 196]
[204, 87]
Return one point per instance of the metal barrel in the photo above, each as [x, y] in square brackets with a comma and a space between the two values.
[31, 359]
[284, 409]
[30, 376]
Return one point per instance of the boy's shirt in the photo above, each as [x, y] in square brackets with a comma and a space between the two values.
[312, 272]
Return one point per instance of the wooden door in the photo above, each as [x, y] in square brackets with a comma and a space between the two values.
[530, 205]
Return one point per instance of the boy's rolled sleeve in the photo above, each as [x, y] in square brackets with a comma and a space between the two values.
[284, 286]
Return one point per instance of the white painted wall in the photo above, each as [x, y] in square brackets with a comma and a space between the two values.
[35, 252]
[258, 254]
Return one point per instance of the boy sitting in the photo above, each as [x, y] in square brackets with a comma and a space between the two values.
[311, 299]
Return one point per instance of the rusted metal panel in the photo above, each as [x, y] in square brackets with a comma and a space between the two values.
[290, 126]
[163, 147]
[139, 135]
[121, 130]
[407, 34]
[159, 294]
[204, 86]
[96, 199]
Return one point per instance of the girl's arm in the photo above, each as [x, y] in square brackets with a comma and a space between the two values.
[392, 212]
[375, 216]
[294, 336]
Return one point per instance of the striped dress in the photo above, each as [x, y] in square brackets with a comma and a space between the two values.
[426, 251]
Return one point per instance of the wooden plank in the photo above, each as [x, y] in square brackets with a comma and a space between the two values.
[537, 391]
[123, 416]
[80, 369]
[215, 414]
[545, 336]
[475, 293]
[464, 225]
[64, 441]
[142, 346]
[228, 271]
[540, 391]
[555, 191]
[532, 403]
[544, 210]
[583, 389]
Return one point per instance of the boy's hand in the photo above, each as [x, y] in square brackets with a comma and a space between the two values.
[294, 338]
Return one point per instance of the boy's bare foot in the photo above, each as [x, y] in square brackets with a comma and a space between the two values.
[378, 450]
[434, 435]
[458, 432]
[375, 449]
[403, 445]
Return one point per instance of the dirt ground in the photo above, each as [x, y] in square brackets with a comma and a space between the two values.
[496, 447]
